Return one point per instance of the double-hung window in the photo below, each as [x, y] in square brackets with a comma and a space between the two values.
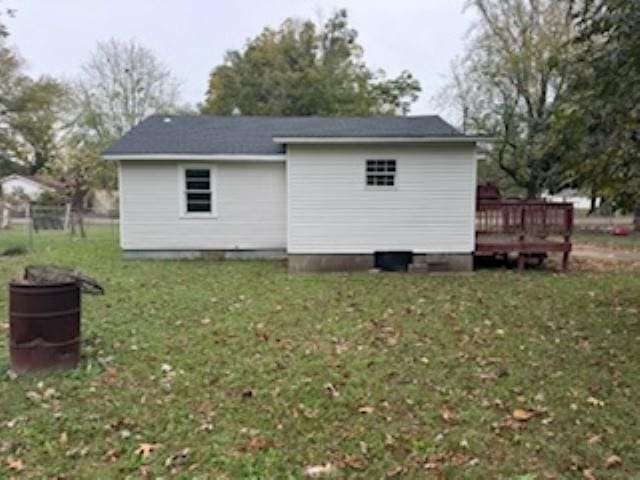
[381, 173]
[198, 191]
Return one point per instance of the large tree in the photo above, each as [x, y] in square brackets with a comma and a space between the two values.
[122, 83]
[510, 83]
[306, 69]
[10, 76]
[37, 116]
[599, 128]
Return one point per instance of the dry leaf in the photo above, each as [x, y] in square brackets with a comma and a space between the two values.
[256, 443]
[366, 409]
[15, 464]
[145, 449]
[587, 473]
[595, 402]
[522, 415]
[364, 448]
[447, 415]
[594, 439]
[613, 461]
[319, 470]
[333, 391]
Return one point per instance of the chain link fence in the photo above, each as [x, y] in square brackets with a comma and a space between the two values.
[29, 226]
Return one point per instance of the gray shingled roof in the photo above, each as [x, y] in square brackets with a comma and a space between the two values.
[184, 134]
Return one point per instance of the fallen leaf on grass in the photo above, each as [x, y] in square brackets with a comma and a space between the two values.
[177, 458]
[319, 470]
[594, 439]
[112, 455]
[613, 461]
[595, 402]
[522, 415]
[256, 443]
[331, 390]
[14, 464]
[145, 449]
[587, 473]
[366, 410]
[447, 415]
[248, 393]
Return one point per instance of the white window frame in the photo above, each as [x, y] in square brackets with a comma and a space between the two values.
[182, 189]
[381, 187]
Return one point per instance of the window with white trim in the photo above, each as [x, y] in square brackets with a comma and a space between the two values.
[381, 173]
[198, 191]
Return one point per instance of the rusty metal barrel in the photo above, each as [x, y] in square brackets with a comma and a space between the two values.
[44, 325]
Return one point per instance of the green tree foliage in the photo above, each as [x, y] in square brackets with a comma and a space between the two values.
[510, 83]
[10, 74]
[36, 116]
[306, 69]
[598, 130]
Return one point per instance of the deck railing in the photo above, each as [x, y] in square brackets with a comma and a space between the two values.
[529, 218]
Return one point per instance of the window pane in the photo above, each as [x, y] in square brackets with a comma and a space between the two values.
[198, 202]
[199, 207]
[198, 197]
[193, 173]
[198, 185]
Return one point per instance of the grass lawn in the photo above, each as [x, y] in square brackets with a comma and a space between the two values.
[198, 369]
[631, 242]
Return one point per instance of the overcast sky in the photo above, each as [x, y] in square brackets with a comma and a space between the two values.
[191, 36]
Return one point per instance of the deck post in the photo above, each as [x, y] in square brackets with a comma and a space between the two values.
[565, 261]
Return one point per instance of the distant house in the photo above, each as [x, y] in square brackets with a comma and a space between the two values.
[31, 187]
[331, 193]
[575, 197]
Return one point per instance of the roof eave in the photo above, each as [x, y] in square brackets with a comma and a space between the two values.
[195, 157]
[357, 140]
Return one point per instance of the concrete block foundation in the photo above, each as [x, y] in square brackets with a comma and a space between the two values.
[301, 263]
[443, 262]
[422, 263]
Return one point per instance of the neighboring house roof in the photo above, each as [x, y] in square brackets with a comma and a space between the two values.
[45, 181]
[240, 135]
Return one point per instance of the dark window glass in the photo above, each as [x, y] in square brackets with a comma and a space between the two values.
[198, 190]
[196, 185]
[381, 173]
[193, 173]
[198, 207]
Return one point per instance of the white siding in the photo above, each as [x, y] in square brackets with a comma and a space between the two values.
[431, 210]
[251, 207]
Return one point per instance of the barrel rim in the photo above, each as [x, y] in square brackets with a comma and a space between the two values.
[28, 285]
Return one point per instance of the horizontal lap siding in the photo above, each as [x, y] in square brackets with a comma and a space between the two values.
[331, 211]
[251, 207]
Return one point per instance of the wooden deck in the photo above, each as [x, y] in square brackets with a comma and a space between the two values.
[528, 228]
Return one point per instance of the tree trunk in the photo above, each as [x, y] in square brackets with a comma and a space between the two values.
[533, 192]
[593, 205]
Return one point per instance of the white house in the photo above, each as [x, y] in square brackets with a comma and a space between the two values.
[331, 193]
[31, 187]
